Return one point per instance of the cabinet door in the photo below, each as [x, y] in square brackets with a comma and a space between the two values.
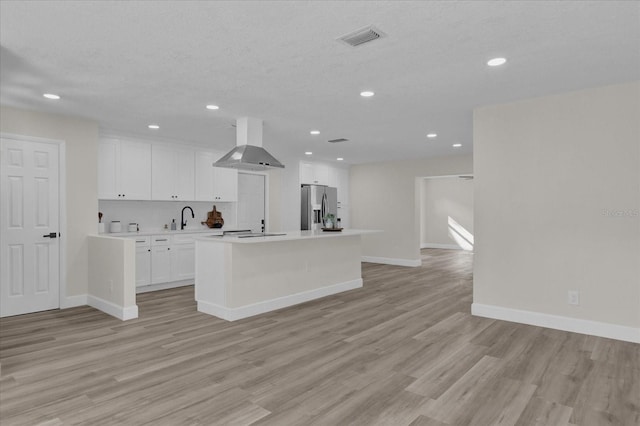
[321, 174]
[143, 265]
[307, 173]
[344, 216]
[185, 179]
[225, 184]
[183, 265]
[163, 173]
[204, 176]
[108, 164]
[342, 183]
[314, 173]
[160, 264]
[135, 170]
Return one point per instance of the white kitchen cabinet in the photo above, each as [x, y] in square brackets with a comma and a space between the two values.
[124, 170]
[163, 259]
[339, 178]
[225, 184]
[160, 259]
[344, 215]
[314, 173]
[204, 176]
[172, 174]
[214, 183]
[183, 254]
[143, 261]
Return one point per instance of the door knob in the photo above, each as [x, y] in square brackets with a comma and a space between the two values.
[51, 235]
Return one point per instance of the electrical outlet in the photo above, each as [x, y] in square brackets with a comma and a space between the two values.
[573, 297]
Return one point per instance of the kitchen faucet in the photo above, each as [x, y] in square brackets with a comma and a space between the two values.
[183, 222]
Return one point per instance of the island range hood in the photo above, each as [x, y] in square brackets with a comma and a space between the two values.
[248, 153]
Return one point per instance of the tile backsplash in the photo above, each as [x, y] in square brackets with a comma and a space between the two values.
[153, 215]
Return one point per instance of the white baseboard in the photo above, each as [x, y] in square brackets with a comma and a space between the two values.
[163, 286]
[73, 301]
[121, 312]
[232, 314]
[390, 261]
[440, 246]
[593, 328]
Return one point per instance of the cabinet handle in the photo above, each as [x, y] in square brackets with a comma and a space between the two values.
[149, 250]
[168, 248]
[139, 241]
[162, 239]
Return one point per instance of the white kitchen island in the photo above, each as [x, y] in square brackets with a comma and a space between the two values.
[241, 277]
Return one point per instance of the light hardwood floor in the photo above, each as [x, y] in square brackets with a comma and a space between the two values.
[403, 350]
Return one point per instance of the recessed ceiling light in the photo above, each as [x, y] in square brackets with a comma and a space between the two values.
[432, 135]
[51, 96]
[496, 62]
[213, 107]
[366, 94]
[315, 132]
[339, 158]
[154, 126]
[457, 145]
[308, 153]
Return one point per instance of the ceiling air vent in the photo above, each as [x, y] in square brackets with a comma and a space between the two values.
[362, 36]
[337, 140]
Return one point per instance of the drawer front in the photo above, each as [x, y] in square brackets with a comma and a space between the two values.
[142, 241]
[183, 239]
[160, 240]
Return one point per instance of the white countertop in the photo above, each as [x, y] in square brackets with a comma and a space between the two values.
[164, 232]
[287, 236]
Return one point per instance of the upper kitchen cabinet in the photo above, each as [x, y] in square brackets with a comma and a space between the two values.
[172, 174]
[214, 183]
[314, 173]
[124, 170]
[225, 184]
[339, 178]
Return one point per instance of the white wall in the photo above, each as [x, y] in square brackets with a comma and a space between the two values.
[549, 172]
[81, 138]
[386, 196]
[446, 214]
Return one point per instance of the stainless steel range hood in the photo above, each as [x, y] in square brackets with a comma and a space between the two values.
[248, 153]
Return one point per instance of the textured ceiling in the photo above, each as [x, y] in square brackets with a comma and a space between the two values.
[129, 64]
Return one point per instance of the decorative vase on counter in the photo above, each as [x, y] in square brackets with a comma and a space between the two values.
[328, 223]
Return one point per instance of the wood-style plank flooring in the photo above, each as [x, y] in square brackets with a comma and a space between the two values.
[403, 350]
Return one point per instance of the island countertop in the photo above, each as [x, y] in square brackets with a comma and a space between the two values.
[240, 277]
[285, 236]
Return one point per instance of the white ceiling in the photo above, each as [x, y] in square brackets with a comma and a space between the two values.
[129, 64]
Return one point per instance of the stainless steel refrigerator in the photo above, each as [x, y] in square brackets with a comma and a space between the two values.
[317, 201]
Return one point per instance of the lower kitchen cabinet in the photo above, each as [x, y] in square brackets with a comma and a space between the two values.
[143, 261]
[164, 259]
[183, 255]
[183, 265]
[160, 264]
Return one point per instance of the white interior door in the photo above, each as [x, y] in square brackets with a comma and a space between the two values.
[251, 198]
[29, 221]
